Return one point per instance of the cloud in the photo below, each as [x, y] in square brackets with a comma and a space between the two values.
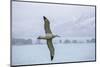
[69, 20]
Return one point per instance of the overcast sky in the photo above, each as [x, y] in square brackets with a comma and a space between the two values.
[65, 20]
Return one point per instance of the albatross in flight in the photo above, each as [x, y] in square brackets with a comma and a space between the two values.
[49, 36]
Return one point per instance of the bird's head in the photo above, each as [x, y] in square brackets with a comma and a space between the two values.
[56, 36]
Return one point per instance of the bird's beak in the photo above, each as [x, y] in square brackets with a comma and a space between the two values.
[58, 36]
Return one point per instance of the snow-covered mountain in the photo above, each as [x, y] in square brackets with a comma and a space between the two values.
[82, 28]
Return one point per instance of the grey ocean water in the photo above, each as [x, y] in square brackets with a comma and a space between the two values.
[39, 54]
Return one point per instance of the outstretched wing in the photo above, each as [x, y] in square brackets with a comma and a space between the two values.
[46, 25]
[51, 48]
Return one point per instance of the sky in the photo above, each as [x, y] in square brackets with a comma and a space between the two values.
[65, 20]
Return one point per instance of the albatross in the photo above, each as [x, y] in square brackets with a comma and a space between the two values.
[48, 37]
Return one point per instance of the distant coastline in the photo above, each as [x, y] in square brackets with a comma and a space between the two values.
[23, 41]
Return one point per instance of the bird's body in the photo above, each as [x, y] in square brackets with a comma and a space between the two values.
[48, 36]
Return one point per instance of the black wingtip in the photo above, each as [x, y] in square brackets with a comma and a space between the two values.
[14, 66]
[51, 58]
[44, 17]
